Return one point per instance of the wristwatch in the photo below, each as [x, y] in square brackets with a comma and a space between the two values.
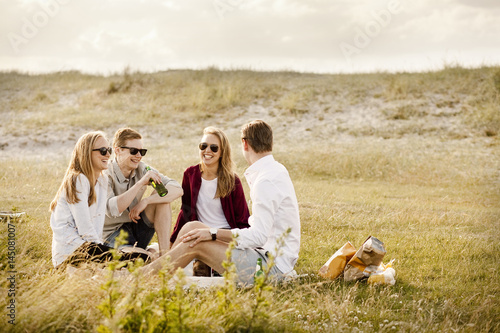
[213, 232]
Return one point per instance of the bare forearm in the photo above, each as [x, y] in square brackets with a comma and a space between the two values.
[174, 193]
[125, 199]
[196, 232]
[224, 235]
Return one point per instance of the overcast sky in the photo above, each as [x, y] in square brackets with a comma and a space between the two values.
[324, 36]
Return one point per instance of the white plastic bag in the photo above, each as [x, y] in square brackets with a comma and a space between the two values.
[385, 274]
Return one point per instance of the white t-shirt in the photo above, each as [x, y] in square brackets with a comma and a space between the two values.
[209, 208]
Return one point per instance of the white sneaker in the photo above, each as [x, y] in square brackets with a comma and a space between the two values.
[153, 247]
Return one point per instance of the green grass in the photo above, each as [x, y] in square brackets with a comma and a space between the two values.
[431, 194]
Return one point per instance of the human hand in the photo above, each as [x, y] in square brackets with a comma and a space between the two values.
[197, 235]
[135, 212]
[151, 174]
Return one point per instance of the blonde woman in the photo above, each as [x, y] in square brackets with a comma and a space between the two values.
[213, 193]
[79, 207]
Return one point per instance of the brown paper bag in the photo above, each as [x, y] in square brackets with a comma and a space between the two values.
[336, 264]
[371, 253]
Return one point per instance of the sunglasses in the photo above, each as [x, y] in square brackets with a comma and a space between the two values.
[134, 151]
[104, 150]
[214, 148]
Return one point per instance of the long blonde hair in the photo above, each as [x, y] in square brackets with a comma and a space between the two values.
[80, 163]
[225, 172]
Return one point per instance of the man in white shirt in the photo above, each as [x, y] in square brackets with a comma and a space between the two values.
[275, 215]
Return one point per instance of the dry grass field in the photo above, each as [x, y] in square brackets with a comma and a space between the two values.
[410, 158]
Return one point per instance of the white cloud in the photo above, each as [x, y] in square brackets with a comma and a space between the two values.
[294, 34]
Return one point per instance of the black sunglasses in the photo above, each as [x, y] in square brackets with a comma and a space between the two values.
[104, 150]
[134, 151]
[214, 148]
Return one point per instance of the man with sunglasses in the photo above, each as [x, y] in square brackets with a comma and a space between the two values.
[274, 223]
[126, 208]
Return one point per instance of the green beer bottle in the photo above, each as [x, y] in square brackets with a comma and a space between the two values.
[160, 188]
[259, 271]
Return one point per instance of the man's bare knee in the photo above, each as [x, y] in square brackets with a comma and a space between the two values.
[158, 211]
[165, 205]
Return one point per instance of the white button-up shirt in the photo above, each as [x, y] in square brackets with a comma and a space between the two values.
[75, 224]
[274, 211]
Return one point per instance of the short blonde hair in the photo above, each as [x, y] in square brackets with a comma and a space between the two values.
[123, 135]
